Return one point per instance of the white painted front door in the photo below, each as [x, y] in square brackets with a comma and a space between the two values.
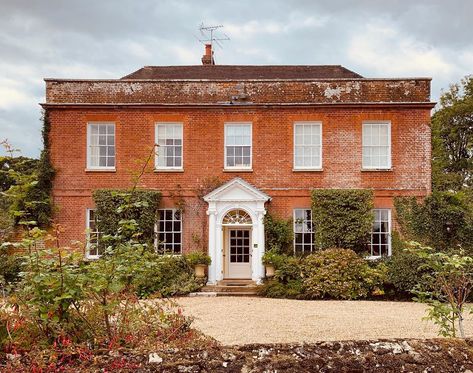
[239, 257]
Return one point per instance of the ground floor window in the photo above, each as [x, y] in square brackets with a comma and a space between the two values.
[93, 247]
[303, 231]
[380, 244]
[169, 231]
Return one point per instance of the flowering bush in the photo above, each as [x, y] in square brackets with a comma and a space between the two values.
[340, 274]
[332, 273]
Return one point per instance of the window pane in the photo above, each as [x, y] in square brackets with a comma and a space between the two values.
[101, 145]
[169, 231]
[303, 231]
[238, 145]
[376, 145]
[307, 145]
[380, 233]
[169, 139]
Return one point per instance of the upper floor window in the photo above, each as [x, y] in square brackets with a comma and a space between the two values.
[307, 145]
[93, 247]
[238, 145]
[380, 244]
[377, 145]
[169, 140]
[169, 231]
[101, 145]
[303, 231]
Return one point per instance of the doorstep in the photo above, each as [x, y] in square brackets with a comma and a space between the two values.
[231, 287]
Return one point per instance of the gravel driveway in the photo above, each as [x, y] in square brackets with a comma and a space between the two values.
[242, 320]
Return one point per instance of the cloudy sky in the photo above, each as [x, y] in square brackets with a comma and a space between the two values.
[111, 38]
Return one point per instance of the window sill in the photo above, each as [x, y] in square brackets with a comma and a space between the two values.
[237, 170]
[157, 170]
[376, 170]
[100, 170]
[307, 170]
[377, 257]
[92, 257]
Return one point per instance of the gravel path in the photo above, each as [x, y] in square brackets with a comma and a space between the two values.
[242, 320]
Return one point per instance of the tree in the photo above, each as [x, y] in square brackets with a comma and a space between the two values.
[452, 284]
[452, 138]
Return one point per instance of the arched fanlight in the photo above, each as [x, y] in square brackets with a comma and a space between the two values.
[237, 217]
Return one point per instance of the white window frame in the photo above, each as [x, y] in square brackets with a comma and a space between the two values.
[169, 168]
[370, 256]
[89, 155]
[88, 232]
[157, 232]
[379, 122]
[238, 168]
[312, 244]
[320, 145]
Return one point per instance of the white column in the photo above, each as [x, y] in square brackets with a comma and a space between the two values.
[257, 264]
[219, 252]
[212, 247]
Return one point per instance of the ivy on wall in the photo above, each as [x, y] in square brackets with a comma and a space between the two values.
[137, 206]
[342, 218]
[278, 234]
[443, 220]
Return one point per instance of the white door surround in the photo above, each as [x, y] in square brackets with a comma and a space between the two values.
[236, 194]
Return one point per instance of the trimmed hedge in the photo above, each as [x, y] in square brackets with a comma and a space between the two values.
[113, 206]
[342, 218]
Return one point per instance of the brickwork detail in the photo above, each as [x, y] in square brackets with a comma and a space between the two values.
[201, 92]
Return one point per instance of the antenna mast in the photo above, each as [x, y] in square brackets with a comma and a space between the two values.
[207, 34]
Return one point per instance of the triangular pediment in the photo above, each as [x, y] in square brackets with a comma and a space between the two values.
[237, 189]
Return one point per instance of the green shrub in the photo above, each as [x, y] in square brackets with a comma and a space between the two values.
[339, 274]
[10, 267]
[406, 272]
[165, 276]
[287, 280]
[342, 218]
[198, 257]
[272, 257]
[279, 234]
[292, 289]
[137, 207]
[288, 268]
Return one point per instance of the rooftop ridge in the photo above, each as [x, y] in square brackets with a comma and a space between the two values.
[242, 72]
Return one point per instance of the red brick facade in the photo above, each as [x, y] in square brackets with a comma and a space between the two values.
[342, 105]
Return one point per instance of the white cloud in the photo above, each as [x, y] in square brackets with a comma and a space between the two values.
[387, 51]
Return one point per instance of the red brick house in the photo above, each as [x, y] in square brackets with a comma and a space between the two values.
[270, 133]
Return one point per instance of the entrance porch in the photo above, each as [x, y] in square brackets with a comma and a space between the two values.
[236, 232]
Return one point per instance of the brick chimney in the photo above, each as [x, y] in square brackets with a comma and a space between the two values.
[208, 57]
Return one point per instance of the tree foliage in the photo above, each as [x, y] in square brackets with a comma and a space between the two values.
[27, 183]
[342, 218]
[452, 138]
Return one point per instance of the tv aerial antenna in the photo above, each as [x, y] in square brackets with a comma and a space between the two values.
[208, 35]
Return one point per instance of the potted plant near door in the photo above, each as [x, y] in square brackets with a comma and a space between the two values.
[199, 261]
[270, 261]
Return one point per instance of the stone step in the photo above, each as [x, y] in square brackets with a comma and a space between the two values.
[236, 282]
[230, 289]
[223, 294]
